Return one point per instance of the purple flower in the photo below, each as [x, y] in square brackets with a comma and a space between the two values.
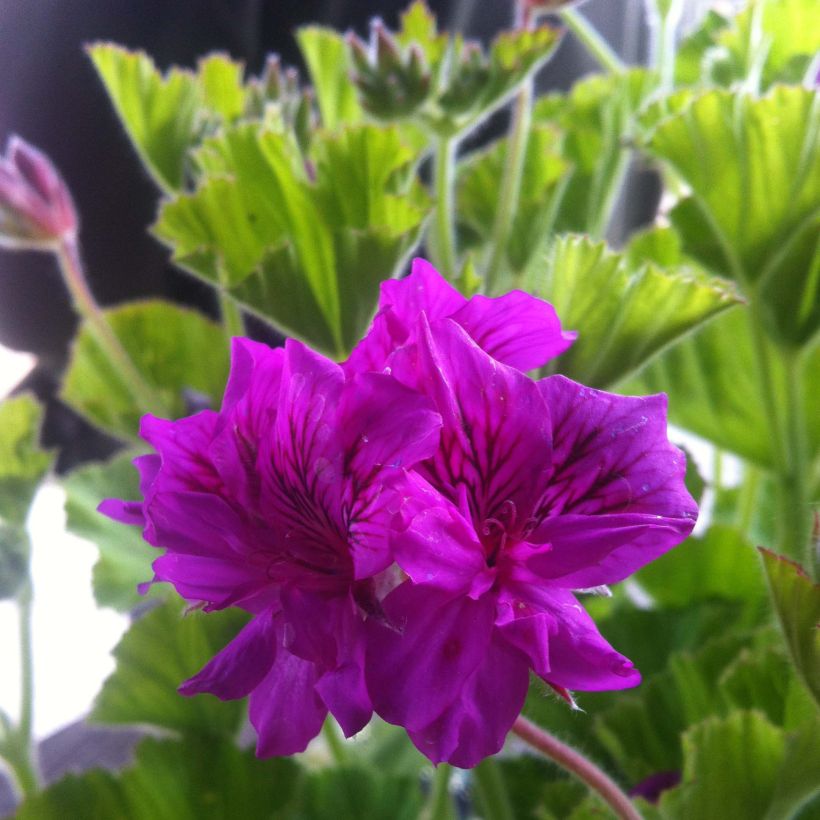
[35, 206]
[537, 489]
[516, 328]
[281, 504]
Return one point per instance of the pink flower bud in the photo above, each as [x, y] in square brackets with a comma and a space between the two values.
[36, 209]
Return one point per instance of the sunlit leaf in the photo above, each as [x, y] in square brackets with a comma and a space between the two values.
[220, 79]
[326, 55]
[125, 558]
[174, 349]
[624, 315]
[797, 603]
[754, 169]
[22, 463]
[159, 113]
[160, 651]
[715, 390]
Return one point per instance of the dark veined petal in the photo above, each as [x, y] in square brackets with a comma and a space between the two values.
[495, 442]
[616, 498]
[285, 708]
[476, 724]
[517, 329]
[417, 663]
[237, 670]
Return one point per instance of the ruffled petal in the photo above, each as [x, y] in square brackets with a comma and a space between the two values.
[237, 670]
[476, 724]
[417, 668]
[517, 329]
[285, 709]
[425, 290]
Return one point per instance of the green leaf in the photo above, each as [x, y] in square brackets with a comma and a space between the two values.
[125, 558]
[356, 793]
[23, 464]
[730, 769]
[624, 315]
[479, 181]
[158, 112]
[721, 564]
[160, 651]
[799, 780]
[326, 54]
[189, 779]
[754, 169]
[175, 349]
[306, 253]
[595, 120]
[715, 389]
[220, 79]
[797, 603]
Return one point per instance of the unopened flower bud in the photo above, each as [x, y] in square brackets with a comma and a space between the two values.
[36, 209]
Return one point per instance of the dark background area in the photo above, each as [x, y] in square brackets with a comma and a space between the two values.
[53, 98]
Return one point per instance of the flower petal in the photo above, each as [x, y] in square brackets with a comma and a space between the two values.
[476, 724]
[495, 442]
[285, 709]
[425, 290]
[517, 329]
[418, 668]
[238, 669]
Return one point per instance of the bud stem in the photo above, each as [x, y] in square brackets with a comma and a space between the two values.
[575, 763]
[596, 45]
[145, 396]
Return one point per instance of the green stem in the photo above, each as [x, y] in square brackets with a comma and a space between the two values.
[596, 45]
[747, 501]
[665, 50]
[25, 768]
[444, 239]
[145, 396]
[492, 791]
[439, 803]
[599, 224]
[510, 182]
[575, 763]
[334, 742]
[795, 518]
[231, 315]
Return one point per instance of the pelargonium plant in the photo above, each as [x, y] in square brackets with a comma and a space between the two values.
[444, 514]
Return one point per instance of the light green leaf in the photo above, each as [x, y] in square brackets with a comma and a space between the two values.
[730, 769]
[799, 779]
[160, 651]
[624, 315]
[595, 119]
[22, 463]
[174, 349]
[189, 779]
[125, 558]
[721, 564]
[797, 603]
[159, 113]
[754, 169]
[479, 182]
[326, 54]
[305, 253]
[220, 79]
[714, 389]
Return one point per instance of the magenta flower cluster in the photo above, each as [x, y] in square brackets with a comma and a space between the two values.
[408, 529]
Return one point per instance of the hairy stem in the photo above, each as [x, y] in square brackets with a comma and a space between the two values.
[231, 315]
[444, 239]
[510, 183]
[596, 45]
[492, 791]
[145, 396]
[575, 763]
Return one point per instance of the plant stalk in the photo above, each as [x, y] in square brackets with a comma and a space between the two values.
[334, 743]
[231, 313]
[595, 44]
[492, 791]
[575, 763]
[510, 182]
[444, 239]
[439, 804]
[145, 396]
